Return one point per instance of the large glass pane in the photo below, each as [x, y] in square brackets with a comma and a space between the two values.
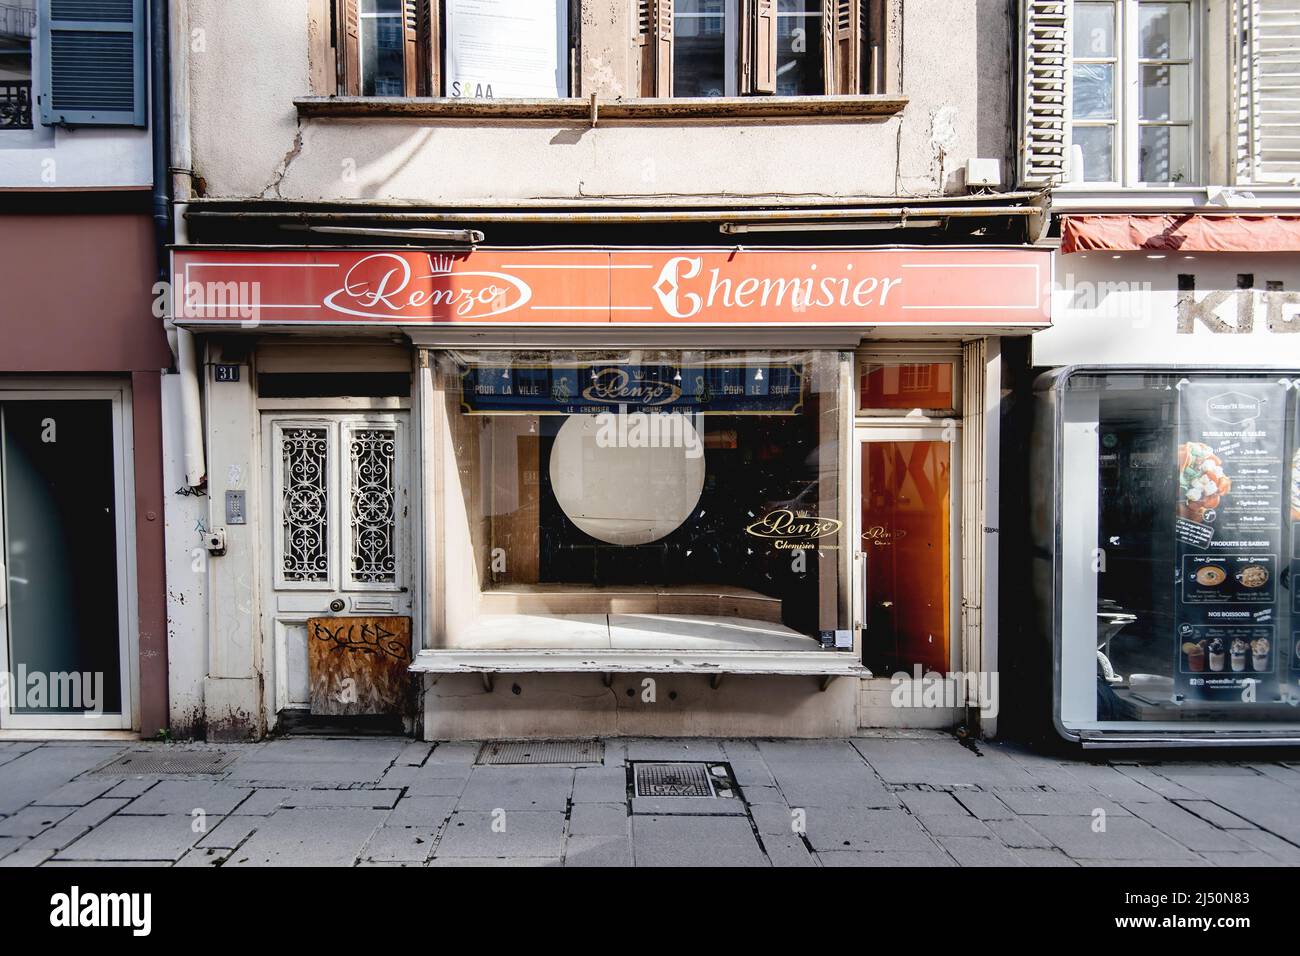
[60, 554]
[1097, 146]
[907, 549]
[1164, 31]
[383, 71]
[1094, 30]
[1165, 92]
[1165, 154]
[1189, 560]
[700, 48]
[1094, 91]
[645, 499]
[799, 48]
[906, 385]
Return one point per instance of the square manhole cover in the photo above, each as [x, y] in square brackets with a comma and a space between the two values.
[542, 752]
[681, 779]
[163, 762]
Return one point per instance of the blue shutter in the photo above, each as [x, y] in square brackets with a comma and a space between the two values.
[93, 58]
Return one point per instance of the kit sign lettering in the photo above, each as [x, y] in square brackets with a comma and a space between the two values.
[696, 287]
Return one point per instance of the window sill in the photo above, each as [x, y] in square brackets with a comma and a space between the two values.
[734, 108]
[1243, 198]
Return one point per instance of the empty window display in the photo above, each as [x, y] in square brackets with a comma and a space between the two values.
[643, 499]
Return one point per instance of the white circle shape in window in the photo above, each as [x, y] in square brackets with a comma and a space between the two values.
[618, 487]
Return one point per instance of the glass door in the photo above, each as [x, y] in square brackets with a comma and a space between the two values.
[906, 547]
[64, 605]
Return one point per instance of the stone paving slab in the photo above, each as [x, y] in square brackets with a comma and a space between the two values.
[886, 799]
[526, 833]
[322, 837]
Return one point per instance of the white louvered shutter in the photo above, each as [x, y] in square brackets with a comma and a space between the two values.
[1045, 91]
[1267, 75]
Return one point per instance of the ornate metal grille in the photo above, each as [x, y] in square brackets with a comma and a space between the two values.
[373, 452]
[305, 458]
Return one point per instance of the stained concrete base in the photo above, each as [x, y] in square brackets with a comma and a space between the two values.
[522, 706]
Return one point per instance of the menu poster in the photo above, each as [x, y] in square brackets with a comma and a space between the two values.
[1228, 531]
[507, 48]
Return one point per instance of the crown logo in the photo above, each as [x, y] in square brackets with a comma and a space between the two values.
[441, 264]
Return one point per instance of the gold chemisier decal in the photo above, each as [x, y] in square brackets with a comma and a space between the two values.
[790, 529]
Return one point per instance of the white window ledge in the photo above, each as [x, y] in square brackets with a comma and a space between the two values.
[1243, 198]
[589, 111]
[825, 664]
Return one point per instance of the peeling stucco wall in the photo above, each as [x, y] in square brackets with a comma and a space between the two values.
[249, 142]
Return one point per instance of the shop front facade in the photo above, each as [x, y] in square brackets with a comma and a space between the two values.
[1166, 476]
[571, 492]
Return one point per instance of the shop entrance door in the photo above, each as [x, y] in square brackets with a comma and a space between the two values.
[339, 542]
[906, 547]
[66, 581]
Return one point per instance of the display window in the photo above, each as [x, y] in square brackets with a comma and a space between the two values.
[643, 499]
[1178, 504]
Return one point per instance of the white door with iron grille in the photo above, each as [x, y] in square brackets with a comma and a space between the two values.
[339, 538]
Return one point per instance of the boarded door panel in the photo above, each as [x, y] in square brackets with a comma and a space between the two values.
[358, 665]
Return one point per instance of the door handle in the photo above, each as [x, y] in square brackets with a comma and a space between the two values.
[862, 590]
[337, 605]
[4, 585]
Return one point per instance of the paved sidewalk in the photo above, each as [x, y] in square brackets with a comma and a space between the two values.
[897, 799]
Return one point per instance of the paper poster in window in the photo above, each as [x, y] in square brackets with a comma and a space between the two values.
[507, 48]
[1228, 531]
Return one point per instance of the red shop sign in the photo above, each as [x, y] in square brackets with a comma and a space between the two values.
[897, 287]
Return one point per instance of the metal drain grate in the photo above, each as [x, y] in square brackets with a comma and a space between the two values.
[163, 762]
[673, 780]
[542, 751]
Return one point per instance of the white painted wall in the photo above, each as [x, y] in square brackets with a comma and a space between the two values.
[187, 605]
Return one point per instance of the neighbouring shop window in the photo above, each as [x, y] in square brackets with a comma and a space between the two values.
[481, 49]
[1133, 81]
[17, 27]
[906, 385]
[644, 499]
[1181, 502]
[740, 47]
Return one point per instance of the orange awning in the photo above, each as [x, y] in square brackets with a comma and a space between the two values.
[1184, 232]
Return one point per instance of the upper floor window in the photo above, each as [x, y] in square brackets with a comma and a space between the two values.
[488, 49]
[1132, 100]
[740, 47]
[72, 63]
[17, 28]
[473, 48]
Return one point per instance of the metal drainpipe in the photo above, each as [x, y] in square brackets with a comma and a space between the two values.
[181, 341]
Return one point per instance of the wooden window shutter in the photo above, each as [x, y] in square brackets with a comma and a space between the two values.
[348, 18]
[663, 47]
[321, 41]
[431, 46]
[93, 58]
[411, 47]
[1044, 115]
[764, 55]
[643, 49]
[1267, 89]
[841, 26]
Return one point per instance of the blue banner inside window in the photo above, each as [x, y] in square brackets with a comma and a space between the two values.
[592, 389]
